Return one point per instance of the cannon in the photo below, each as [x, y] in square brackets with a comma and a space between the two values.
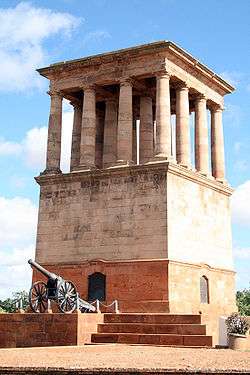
[63, 292]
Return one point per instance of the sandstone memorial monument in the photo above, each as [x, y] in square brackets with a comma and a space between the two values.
[140, 218]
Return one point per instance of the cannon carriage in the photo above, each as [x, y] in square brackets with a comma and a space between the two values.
[63, 292]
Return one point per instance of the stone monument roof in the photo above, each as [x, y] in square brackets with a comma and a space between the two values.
[137, 51]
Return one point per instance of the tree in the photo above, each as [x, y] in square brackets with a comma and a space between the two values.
[9, 305]
[243, 301]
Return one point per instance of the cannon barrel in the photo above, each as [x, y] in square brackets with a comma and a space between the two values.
[45, 272]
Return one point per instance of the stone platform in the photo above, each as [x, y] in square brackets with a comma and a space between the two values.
[122, 360]
[32, 330]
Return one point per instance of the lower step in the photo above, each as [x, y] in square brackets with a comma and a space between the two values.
[154, 339]
[142, 328]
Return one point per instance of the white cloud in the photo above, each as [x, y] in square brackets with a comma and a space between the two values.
[23, 31]
[32, 148]
[9, 148]
[15, 273]
[18, 220]
[241, 205]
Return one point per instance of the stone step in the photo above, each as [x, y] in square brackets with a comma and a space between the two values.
[142, 328]
[152, 339]
[153, 318]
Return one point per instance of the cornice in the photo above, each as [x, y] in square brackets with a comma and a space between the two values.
[140, 50]
[133, 170]
[93, 262]
[200, 179]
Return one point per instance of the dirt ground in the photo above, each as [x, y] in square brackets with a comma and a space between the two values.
[126, 357]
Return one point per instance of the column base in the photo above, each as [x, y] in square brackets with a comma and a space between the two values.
[184, 165]
[161, 158]
[221, 180]
[123, 163]
[51, 171]
[80, 168]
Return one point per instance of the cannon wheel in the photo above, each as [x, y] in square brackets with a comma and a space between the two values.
[66, 297]
[38, 298]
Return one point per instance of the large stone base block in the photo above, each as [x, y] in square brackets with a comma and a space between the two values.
[28, 330]
[184, 295]
[137, 285]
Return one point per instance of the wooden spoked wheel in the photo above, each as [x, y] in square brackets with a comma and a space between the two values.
[66, 297]
[38, 297]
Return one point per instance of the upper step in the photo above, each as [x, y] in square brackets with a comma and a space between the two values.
[153, 318]
[144, 328]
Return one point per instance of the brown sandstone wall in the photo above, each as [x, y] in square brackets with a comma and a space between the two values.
[28, 330]
[127, 282]
[201, 217]
[109, 217]
[184, 293]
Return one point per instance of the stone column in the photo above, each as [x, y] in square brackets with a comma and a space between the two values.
[183, 146]
[99, 138]
[88, 131]
[76, 136]
[201, 135]
[146, 129]
[125, 124]
[110, 134]
[134, 145]
[217, 144]
[54, 134]
[163, 117]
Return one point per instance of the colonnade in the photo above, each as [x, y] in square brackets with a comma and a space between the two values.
[118, 142]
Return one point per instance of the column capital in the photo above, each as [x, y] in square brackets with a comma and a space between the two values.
[163, 74]
[182, 85]
[76, 104]
[216, 107]
[88, 87]
[55, 93]
[200, 97]
[127, 81]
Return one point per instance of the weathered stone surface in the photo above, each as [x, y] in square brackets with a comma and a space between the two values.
[217, 144]
[163, 120]
[152, 229]
[146, 144]
[183, 145]
[88, 133]
[76, 137]
[54, 134]
[110, 134]
[32, 330]
[201, 136]
[125, 124]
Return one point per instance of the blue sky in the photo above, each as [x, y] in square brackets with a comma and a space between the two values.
[37, 33]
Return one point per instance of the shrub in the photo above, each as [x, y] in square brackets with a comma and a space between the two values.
[237, 324]
[243, 301]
